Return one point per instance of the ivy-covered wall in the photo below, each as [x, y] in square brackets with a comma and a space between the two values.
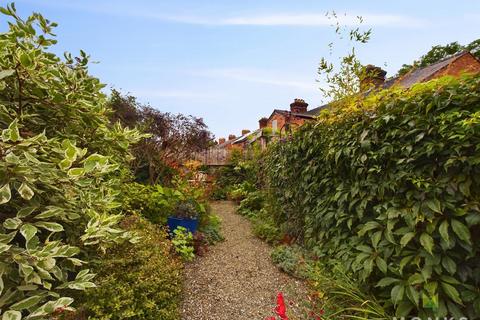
[389, 185]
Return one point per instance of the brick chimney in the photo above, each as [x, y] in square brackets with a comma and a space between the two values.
[245, 131]
[374, 77]
[221, 140]
[231, 137]
[298, 106]
[263, 123]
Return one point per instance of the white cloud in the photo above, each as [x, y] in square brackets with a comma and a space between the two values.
[275, 19]
[312, 20]
[178, 94]
[258, 76]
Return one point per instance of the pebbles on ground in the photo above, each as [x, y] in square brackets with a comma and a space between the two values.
[236, 278]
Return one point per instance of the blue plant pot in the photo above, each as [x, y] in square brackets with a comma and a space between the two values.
[188, 223]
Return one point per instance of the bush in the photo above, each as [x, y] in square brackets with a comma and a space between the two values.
[388, 185]
[253, 202]
[137, 281]
[157, 203]
[210, 227]
[61, 166]
[265, 227]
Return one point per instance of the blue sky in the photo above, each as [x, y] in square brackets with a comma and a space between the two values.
[232, 62]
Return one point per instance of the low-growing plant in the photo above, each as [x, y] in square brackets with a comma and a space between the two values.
[253, 202]
[266, 228]
[183, 243]
[210, 227]
[136, 281]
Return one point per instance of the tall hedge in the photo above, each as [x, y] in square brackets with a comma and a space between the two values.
[389, 185]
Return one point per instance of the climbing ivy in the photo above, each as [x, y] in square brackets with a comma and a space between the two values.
[388, 184]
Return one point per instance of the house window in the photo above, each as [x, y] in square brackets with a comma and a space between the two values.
[274, 125]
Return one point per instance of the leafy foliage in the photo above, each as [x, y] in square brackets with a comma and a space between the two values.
[387, 184]
[183, 242]
[173, 137]
[60, 160]
[137, 281]
[342, 78]
[440, 52]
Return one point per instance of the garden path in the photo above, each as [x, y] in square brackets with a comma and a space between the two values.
[236, 278]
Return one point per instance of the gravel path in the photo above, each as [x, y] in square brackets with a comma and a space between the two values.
[236, 279]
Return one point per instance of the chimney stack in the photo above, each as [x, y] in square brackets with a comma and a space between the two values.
[298, 106]
[263, 123]
[231, 137]
[245, 131]
[374, 77]
[221, 141]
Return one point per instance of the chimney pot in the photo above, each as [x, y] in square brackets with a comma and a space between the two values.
[221, 140]
[245, 131]
[374, 77]
[298, 106]
[231, 137]
[263, 123]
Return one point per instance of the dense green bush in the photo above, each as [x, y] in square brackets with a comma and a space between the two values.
[389, 185]
[61, 166]
[137, 281]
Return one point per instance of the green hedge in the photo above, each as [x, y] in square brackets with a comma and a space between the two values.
[389, 185]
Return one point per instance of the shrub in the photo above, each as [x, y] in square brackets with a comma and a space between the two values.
[60, 161]
[137, 281]
[253, 202]
[157, 203]
[388, 185]
[210, 227]
[265, 227]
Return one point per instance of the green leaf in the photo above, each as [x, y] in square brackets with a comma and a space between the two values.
[25, 60]
[50, 212]
[397, 293]
[71, 153]
[14, 132]
[6, 73]
[65, 164]
[26, 303]
[381, 264]
[12, 315]
[25, 212]
[461, 230]
[28, 231]
[50, 226]
[364, 248]
[451, 292]
[12, 223]
[406, 238]
[385, 282]
[434, 205]
[427, 242]
[25, 191]
[76, 172]
[443, 229]
[449, 264]
[5, 194]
